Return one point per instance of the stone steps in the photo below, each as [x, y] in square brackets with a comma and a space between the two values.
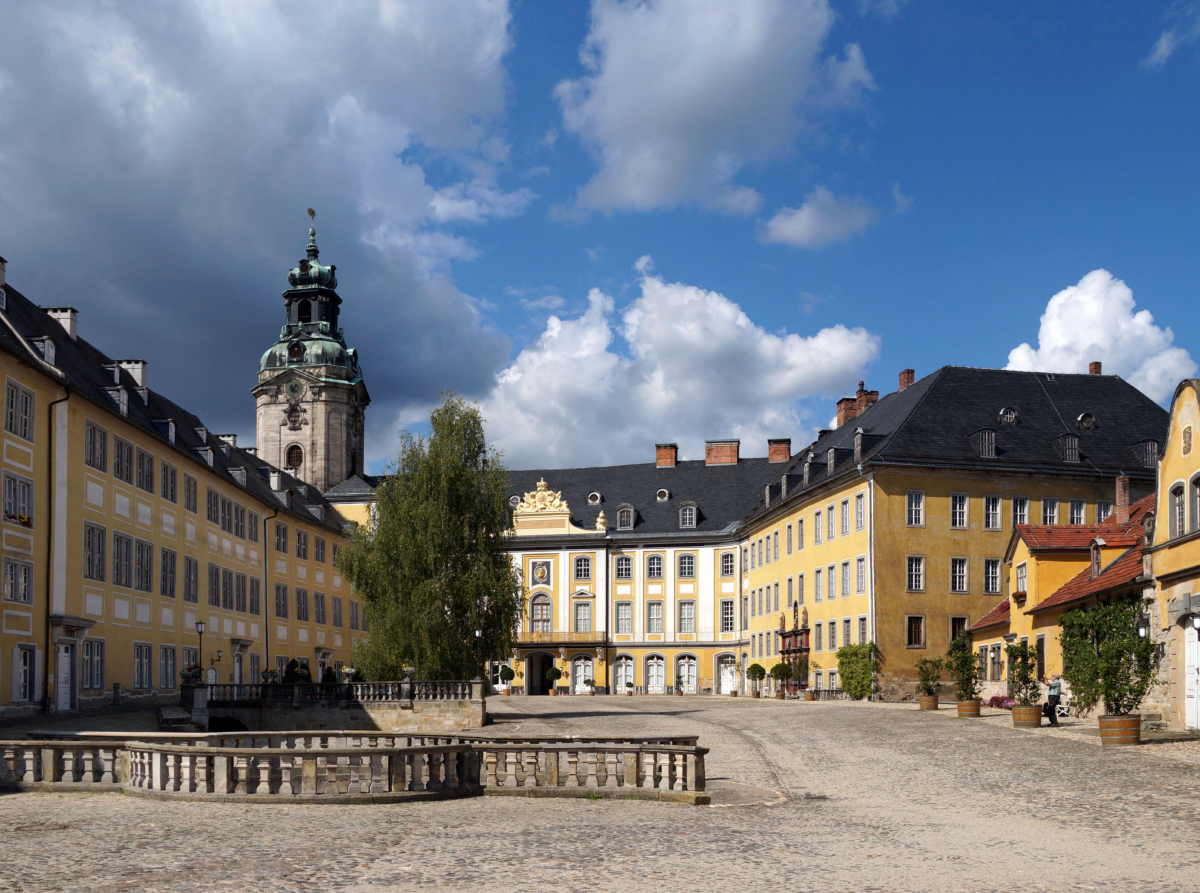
[1153, 722]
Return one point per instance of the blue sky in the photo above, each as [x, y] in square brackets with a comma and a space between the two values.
[612, 223]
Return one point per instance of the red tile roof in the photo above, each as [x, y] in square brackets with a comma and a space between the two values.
[1043, 537]
[995, 617]
[1121, 573]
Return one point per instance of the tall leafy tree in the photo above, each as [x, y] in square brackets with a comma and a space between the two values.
[433, 567]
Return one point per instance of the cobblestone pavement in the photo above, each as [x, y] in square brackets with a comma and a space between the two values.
[879, 798]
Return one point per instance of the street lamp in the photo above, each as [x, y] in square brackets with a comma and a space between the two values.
[478, 663]
[200, 652]
[1196, 621]
[1143, 626]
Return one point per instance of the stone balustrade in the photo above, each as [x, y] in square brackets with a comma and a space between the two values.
[362, 692]
[353, 767]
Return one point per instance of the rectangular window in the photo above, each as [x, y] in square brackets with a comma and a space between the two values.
[832, 635]
[336, 605]
[191, 579]
[829, 524]
[845, 517]
[799, 533]
[239, 521]
[775, 539]
[776, 596]
[745, 558]
[761, 559]
[319, 607]
[916, 508]
[24, 673]
[991, 512]
[281, 537]
[334, 554]
[212, 505]
[353, 614]
[1077, 510]
[18, 581]
[800, 589]
[1103, 510]
[18, 411]
[239, 592]
[255, 668]
[788, 538]
[654, 567]
[122, 460]
[791, 594]
[281, 600]
[845, 578]
[226, 515]
[958, 510]
[860, 574]
[983, 663]
[846, 631]
[687, 566]
[166, 668]
[214, 586]
[145, 471]
[726, 615]
[654, 617]
[916, 573]
[302, 545]
[18, 500]
[862, 630]
[818, 629]
[958, 575]
[319, 549]
[122, 560]
[190, 489]
[302, 604]
[255, 590]
[281, 663]
[95, 447]
[166, 577]
[1020, 510]
[860, 511]
[143, 564]
[915, 631]
[91, 665]
[817, 528]
[817, 585]
[997, 665]
[141, 666]
[1049, 511]
[831, 582]
[94, 540]
[252, 523]
[727, 568]
[1021, 577]
[583, 617]
[958, 626]
[991, 576]
[1039, 648]
[168, 482]
[625, 618]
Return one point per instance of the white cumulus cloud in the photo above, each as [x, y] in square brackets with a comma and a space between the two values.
[681, 94]
[679, 364]
[822, 219]
[1096, 320]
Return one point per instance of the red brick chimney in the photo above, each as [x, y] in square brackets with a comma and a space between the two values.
[1094, 368]
[847, 408]
[666, 454]
[721, 452]
[865, 398]
[907, 377]
[1122, 510]
[779, 450]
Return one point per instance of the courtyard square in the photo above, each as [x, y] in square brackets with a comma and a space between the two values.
[871, 797]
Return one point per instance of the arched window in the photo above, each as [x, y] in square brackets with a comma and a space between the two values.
[623, 673]
[727, 564]
[687, 565]
[685, 674]
[687, 516]
[581, 674]
[1194, 520]
[1178, 521]
[539, 613]
[625, 519]
[624, 567]
[304, 312]
[295, 456]
[655, 675]
[583, 568]
[654, 567]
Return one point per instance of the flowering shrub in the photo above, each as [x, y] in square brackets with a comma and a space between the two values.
[1000, 702]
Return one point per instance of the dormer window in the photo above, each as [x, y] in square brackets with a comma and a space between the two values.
[1095, 560]
[1008, 416]
[1086, 421]
[1070, 448]
[625, 518]
[662, 495]
[594, 498]
[1147, 452]
[687, 516]
[46, 346]
[120, 397]
[987, 444]
[830, 460]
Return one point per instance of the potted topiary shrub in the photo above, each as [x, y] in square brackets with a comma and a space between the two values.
[963, 668]
[507, 675]
[1108, 656]
[780, 673]
[679, 684]
[591, 684]
[756, 674]
[1024, 686]
[629, 689]
[552, 676]
[929, 674]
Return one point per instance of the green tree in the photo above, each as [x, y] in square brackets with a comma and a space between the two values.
[857, 665]
[929, 673]
[1022, 674]
[756, 673]
[1104, 658]
[963, 667]
[434, 565]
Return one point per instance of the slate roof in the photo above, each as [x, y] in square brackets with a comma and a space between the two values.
[88, 372]
[998, 616]
[935, 422]
[722, 494]
[359, 488]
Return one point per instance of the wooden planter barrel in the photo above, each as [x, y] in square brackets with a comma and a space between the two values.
[733, 694]
[1121, 731]
[928, 702]
[1027, 717]
[810, 695]
[969, 709]
[779, 695]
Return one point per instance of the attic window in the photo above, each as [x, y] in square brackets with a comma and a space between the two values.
[663, 495]
[121, 398]
[625, 518]
[1070, 447]
[1008, 416]
[318, 512]
[687, 516]
[239, 475]
[1148, 451]
[1086, 421]
[987, 444]
[46, 345]
[1095, 560]
[514, 501]
[594, 498]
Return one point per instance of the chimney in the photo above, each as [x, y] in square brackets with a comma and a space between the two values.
[276, 480]
[779, 450]
[907, 377]
[864, 398]
[847, 408]
[721, 452]
[1122, 512]
[136, 368]
[230, 439]
[67, 317]
[666, 455]
[1094, 368]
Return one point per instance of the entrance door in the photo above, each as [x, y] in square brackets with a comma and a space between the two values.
[62, 681]
[686, 671]
[1192, 679]
[237, 669]
[623, 674]
[536, 666]
[655, 675]
[581, 669]
[728, 675]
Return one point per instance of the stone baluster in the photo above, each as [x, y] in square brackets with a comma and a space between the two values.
[285, 775]
[187, 765]
[379, 775]
[417, 773]
[202, 773]
[172, 779]
[68, 764]
[530, 760]
[510, 761]
[679, 774]
[572, 769]
[395, 771]
[592, 781]
[434, 782]
[241, 771]
[648, 769]
[450, 763]
[489, 769]
[664, 771]
[263, 765]
[610, 769]
[354, 785]
[87, 765]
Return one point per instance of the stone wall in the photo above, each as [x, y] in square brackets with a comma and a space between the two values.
[385, 716]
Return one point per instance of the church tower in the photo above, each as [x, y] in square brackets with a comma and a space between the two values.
[310, 395]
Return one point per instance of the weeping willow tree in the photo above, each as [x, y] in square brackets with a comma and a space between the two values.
[433, 567]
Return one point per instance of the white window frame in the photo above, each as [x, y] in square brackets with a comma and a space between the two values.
[860, 574]
[860, 511]
[18, 581]
[1049, 510]
[914, 508]
[1076, 508]
[960, 574]
[914, 573]
[993, 508]
[20, 405]
[960, 511]
[991, 576]
[1020, 510]
[687, 618]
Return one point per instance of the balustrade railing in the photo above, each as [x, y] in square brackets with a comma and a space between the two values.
[315, 692]
[603, 766]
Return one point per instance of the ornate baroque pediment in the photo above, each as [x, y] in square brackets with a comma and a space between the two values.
[541, 500]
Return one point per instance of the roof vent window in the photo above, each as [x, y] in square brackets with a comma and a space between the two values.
[1008, 416]
[1086, 421]
[514, 501]
[594, 498]
[663, 495]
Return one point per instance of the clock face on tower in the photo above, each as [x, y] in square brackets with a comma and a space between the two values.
[294, 389]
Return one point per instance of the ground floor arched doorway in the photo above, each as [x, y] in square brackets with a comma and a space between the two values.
[536, 666]
[727, 674]
[656, 675]
[685, 674]
[623, 674]
[581, 673]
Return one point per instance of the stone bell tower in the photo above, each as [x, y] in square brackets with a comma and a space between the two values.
[310, 395]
